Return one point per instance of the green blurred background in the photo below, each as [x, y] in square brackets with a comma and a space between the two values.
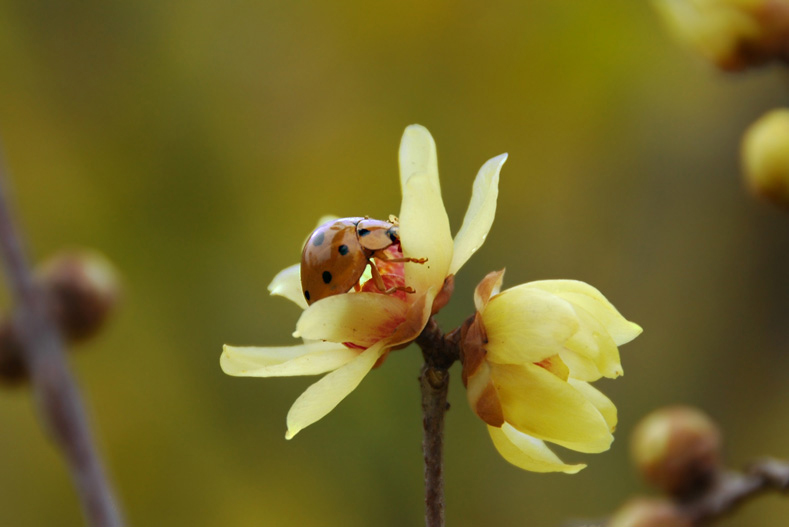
[196, 143]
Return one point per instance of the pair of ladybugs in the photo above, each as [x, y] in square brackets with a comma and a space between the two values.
[338, 252]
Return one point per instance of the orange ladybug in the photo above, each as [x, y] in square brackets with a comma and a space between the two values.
[337, 253]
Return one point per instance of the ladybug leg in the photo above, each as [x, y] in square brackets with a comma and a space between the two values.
[379, 282]
[381, 255]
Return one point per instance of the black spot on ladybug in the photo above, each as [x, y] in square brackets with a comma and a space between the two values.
[318, 239]
[364, 232]
[392, 236]
[307, 296]
[343, 249]
[326, 277]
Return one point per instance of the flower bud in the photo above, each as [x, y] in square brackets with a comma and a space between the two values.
[732, 34]
[765, 156]
[677, 449]
[643, 512]
[82, 288]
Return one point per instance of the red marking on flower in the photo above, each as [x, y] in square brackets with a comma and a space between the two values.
[392, 274]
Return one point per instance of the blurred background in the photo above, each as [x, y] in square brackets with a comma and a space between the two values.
[196, 144]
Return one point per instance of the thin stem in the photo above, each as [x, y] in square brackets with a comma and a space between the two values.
[435, 385]
[439, 352]
[59, 402]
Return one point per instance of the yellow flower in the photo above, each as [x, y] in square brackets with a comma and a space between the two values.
[528, 358]
[732, 34]
[346, 335]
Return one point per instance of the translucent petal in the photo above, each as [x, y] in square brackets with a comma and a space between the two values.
[591, 300]
[307, 359]
[527, 452]
[361, 318]
[603, 404]
[540, 404]
[321, 398]
[526, 325]
[480, 213]
[287, 283]
[418, 156]
[424, 233]
[592, 341]
[487, 289]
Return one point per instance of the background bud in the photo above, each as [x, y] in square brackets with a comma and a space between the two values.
[81, 289]
[732, 34]
[677, 449]
[643, 512]
[765, 156]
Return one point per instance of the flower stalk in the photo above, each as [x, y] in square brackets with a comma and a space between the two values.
[440, 352]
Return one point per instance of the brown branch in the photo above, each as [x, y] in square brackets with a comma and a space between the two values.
[440, 352]
[41, 351]
[731, 489]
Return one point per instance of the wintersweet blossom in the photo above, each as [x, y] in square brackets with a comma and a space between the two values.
[528, 358]
[346, 335]
[732, 34]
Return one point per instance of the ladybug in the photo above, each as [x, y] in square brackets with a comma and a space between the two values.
[337, 253]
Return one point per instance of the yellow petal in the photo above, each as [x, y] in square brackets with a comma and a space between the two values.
[415, 319]
[287, 283]
[361, 318]
[590, 299]
[527, 452]
[603, 404]
[424, 233]
[321, 398]
[306, 359]
[592, 341]
[540, 404]
[418, 156]
[488, 288]
[480, 213]
[526, 325]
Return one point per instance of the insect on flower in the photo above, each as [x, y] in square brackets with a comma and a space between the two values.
[338, 252]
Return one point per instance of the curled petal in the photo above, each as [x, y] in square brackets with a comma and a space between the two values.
[287, 283]
[526, 325]
[488, 288]
[593, 341]
[361, 318]
[527, 452]
[480, 213]
[307, 359]
[321, 398]
[540, 404]
[603, 404]
[424, 233]
[415, 319]
[590, 299]
[418, 156]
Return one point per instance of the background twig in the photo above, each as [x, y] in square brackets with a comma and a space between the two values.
[41, 349]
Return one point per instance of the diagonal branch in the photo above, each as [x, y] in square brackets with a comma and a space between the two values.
[59, 402]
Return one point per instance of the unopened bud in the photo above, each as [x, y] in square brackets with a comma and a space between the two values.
[81, 290]
[765, 157]
[644, 512]
[677, 449]
[732, 34]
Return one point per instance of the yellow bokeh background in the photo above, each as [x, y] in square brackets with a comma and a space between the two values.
[196, 144]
